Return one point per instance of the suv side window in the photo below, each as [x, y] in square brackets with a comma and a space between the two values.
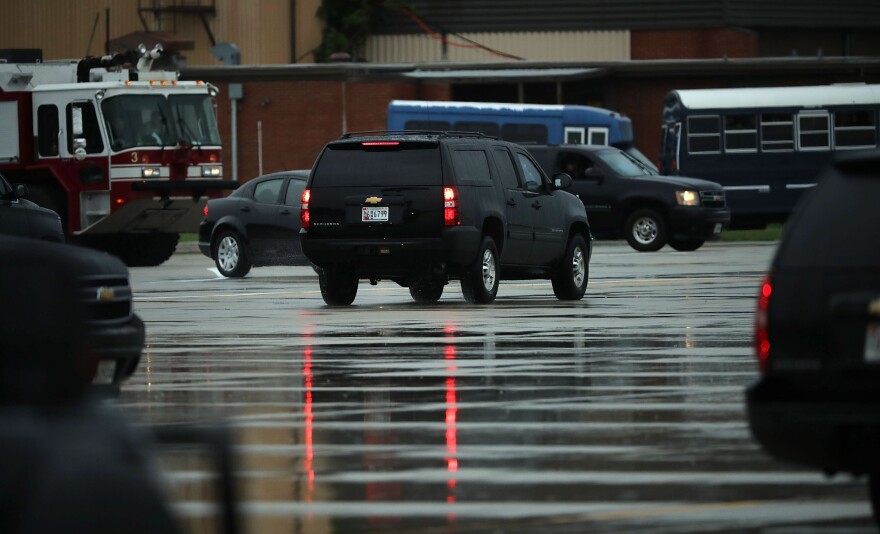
[531, 174]
[471, 166]
[505, 167]
[267, 192]
[573, 164]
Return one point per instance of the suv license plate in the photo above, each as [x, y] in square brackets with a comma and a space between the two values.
[373, 214]
[872, 342]
[717, 229]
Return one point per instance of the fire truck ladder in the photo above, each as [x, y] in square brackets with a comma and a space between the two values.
[165, 13]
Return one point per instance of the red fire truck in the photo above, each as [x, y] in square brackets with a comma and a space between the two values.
[125, 154]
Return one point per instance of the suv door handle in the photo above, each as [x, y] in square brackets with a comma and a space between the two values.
[284, 212]
[245, 208]
[536, 205]
[511, 202]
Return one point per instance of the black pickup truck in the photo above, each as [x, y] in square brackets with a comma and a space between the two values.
[421, 209]
[626, 198]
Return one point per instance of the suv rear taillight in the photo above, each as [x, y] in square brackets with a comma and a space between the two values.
[762, 341]
[304, 217]
[451, 209]
[205, 211]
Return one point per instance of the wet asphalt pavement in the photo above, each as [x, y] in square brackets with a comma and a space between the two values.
[621, 412]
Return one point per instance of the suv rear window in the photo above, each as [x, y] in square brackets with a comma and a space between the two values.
[360, 164]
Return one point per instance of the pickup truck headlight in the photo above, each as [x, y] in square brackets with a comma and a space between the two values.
[687, 198]
[210, 171]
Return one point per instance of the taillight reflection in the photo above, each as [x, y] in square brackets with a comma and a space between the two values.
[205, 211]
[304, 217]
[762, 340]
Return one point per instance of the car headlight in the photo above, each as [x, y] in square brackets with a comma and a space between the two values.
[687, 198]
[149, 172]
[210, 171]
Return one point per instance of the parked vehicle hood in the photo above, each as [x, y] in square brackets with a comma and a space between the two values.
[683, 181]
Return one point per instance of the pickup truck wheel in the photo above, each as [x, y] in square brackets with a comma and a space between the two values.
[686, 245]
[231, 255]
[645, 230]
[427, 291]
[479, 284]
[338, 288]
[570, 277]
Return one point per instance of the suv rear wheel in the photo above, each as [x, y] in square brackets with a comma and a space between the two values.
[645, 230]
[427, 291]
[338, 288]
[570, 276]
[479, 284]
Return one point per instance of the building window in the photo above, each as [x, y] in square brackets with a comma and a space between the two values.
[740, 133]
[855, 129]
[777, 132]
[704, 134]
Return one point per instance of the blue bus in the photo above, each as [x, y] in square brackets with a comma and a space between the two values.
[766, 146]
[534, 124]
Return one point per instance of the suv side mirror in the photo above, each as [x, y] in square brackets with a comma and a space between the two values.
[594, 173]
[561, 180]
[21, 190]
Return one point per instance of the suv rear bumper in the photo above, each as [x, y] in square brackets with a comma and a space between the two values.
[832, 434]
[690, 222]
[394, 257]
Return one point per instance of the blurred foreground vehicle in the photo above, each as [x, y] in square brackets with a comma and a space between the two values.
[21, 217]
[817, 330]
[258, 224]
[111, 335]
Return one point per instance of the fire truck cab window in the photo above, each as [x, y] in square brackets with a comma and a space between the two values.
[91, 132]
[47, 119]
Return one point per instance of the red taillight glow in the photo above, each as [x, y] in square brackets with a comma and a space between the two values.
[205, 211]
[762, 340]
[380, 143]
[451, 209]
[304, 217]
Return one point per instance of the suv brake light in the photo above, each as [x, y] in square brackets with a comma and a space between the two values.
[451, 209]
[762, 341]
[205, 211]
[304, 218]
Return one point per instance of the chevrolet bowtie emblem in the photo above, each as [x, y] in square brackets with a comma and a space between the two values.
[373, 200]
[105, 294]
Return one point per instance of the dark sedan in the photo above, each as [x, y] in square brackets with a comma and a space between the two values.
[258, 224]
[21, 217]
[817, 330]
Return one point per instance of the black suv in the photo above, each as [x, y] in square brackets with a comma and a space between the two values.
[626, 198]
[21, 217]
[817, 330]
[423, 208]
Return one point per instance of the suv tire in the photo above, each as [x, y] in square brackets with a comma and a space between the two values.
[427, 290]
[645, 230]
[231, 255]
[570, 276]
[686, 245]
[479, 283]
[338, 288]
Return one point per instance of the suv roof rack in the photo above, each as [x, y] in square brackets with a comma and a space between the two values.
[438, 133]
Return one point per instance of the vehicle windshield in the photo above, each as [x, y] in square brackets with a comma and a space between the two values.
[153, 120]
[642, 159]
[623, 164]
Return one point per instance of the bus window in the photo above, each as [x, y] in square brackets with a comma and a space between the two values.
[854, 129]
[488, 128]
[429, 126]
[704, 134]
[525, 133]
[813, 131]
[598, 136]
[740, 133]
[574, 135]
[777, 132]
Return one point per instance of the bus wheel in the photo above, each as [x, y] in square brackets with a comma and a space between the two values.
[686, 245]
[645, 230]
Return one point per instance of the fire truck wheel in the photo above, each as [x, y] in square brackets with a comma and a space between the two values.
[231, 255]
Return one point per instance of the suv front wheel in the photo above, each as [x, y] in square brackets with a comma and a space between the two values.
[570, 276]
[479, 283]
[338, 288]
[645, 230]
